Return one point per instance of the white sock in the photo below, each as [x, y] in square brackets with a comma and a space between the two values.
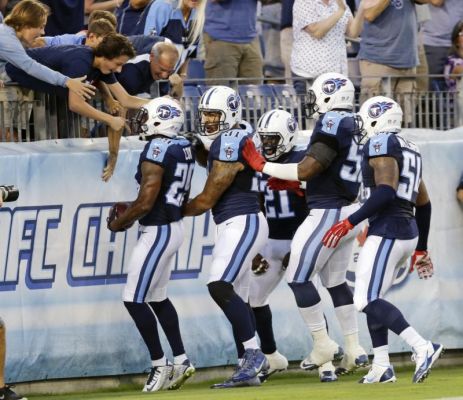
[179, 359]
[320, 336]
[160, 362]
[251, 343]
[313, 317]
[413, 338]
[381, 356]
[347, 317]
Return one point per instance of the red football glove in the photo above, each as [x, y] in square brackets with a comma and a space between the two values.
[423, 264]
[255, 160]
[336, 232]
[283, 184]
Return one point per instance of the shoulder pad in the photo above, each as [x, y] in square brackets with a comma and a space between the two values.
[157, 149]
[377, 145]
[331, 121]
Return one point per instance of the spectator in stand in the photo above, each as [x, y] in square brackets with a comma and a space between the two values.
[102, 14]
[128, 15]
[286, 34]
[460, 190]
[437, 36]
[231, 42]
[20, 29]
[182, 24]
[96, 31]
[454, 65]
[319, 29]
[140, 73]
[389, 47]
[65, 17]
[99, 65]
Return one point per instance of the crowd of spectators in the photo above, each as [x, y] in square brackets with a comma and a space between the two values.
[398, 39]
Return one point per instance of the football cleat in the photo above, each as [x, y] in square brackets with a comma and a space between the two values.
[353, 359]
[277, 362]
[379, 374]
[158, 378]
[325, 352]
[327, 373]
[425, 359]
[180, 374]
[7, 394]
[254, 361]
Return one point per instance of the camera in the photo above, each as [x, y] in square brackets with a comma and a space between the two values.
[9, 192]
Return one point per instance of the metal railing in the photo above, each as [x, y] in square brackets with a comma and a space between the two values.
[41, 116]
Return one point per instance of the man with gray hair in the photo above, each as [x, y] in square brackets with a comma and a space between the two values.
[139, 73]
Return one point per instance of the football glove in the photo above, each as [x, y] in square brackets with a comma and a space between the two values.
[259, 265]
[422, 263]
[115, 212]
[336, 232]
[255, 160]
[283, 184]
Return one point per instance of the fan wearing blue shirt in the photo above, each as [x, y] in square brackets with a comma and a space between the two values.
[139, 73]
[99, 65]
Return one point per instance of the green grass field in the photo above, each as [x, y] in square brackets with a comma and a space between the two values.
[442, 383]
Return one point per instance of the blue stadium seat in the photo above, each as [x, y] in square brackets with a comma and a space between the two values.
[257, 99]
[289, 100]
[191, 96]
[195, 71]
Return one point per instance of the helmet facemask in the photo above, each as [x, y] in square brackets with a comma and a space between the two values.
[138, 124]
[211, 125]
[272, 145]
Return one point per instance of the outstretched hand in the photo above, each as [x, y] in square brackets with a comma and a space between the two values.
[255, 160]
[283, 184]
[336, 233]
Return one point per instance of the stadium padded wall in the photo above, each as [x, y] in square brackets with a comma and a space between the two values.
[62, 272]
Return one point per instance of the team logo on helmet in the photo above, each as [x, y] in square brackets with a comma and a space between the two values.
[166, 111]
[291, 124]
[233, 102]
[331, 86]
[378, 109]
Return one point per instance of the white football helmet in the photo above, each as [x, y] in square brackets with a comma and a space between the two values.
[381, 114]
[329, 91]
[277, 130]
[226, 103]
[161, 116]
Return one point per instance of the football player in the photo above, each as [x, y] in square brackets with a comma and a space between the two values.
[241, 227]
[164, 175]
[285, 210]
[331, 168]
[391, 167]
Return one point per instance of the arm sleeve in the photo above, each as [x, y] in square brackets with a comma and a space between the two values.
[158, 17]
[423, 220]
[377, 201]
[14, 53]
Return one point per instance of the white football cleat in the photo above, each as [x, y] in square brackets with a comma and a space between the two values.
[353, 358]
[180, 374]
[158, 377]
[379, 374]
[327, 373]
[324, 352]
[277, 362]
[425, 359]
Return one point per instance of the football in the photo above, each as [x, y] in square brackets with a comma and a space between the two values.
[116, 210]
